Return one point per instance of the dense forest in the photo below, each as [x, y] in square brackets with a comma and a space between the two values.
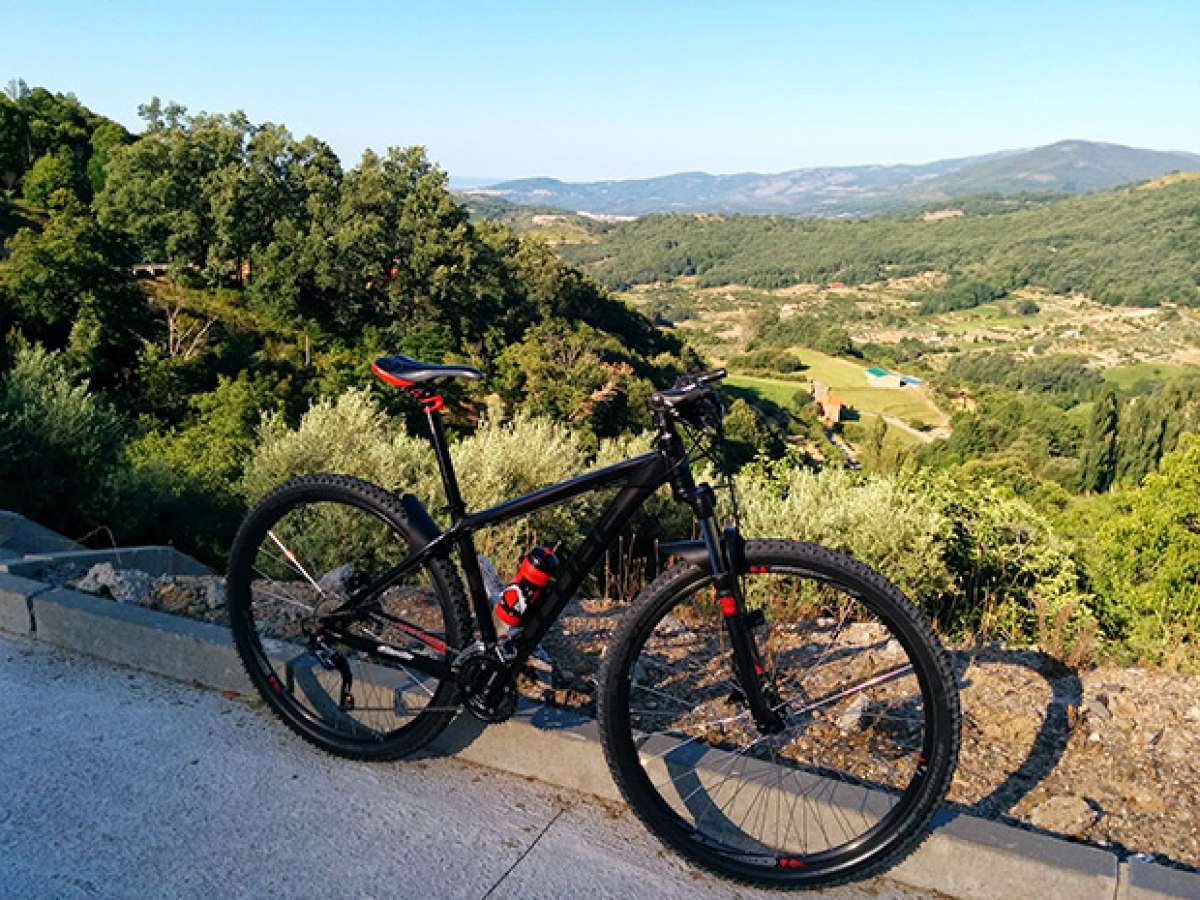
[1136, 245]
[280, 275]
[188, 313]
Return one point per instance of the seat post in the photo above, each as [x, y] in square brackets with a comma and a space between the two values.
[437, 431]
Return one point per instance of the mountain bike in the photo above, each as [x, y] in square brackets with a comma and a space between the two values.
[775, 711]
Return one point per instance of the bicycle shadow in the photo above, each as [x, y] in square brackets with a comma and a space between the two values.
[1049, 740]
[1004, 790]
[465, 730]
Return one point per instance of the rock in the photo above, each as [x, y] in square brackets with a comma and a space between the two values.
[214, 594]
[1063, 815]
[174, 598]
[1119, 705]
[860, 634]
[852, 714]
[1193, 714]
[1145, 799]
[1173, 744]
[1017, 728]
[124, 585]
[337, 581]
[1098, 708]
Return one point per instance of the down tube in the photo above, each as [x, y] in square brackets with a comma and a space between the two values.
[615, 517]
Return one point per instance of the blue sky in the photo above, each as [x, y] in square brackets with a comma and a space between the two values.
[581, 90]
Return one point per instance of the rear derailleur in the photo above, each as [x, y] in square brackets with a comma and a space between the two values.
[334, 661]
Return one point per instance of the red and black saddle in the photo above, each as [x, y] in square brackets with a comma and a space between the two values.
[418, 377]
[405, 372]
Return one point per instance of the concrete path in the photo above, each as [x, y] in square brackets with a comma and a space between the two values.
[115, 783]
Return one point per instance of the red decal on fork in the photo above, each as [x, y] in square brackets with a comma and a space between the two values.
[728, 606]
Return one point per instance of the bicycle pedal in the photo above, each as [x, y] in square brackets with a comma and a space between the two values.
[756, 618]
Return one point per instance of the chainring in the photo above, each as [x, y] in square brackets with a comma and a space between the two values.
[489, 691]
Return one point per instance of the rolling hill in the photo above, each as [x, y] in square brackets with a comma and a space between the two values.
[1071, 167]
[1129, 245]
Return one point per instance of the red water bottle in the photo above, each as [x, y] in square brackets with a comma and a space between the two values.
[536, 571]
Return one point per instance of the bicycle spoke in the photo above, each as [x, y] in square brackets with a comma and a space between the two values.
[308, 558]
[851, 710]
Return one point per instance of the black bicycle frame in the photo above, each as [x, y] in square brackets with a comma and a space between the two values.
[638, 477]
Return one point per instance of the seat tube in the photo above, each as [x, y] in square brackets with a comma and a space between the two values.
[466, 545]
[437, 432]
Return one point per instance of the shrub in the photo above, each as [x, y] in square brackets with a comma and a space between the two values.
[348, 435]
[51, 424]
[502, 459]
[1145, 563]
[874, 519]
[977, 558]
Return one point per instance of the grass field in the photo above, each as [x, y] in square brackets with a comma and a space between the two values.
[849, 382]
[1125, 377]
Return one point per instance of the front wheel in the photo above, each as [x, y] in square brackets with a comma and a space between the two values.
[865, 693]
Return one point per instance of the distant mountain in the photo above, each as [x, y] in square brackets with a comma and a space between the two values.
[466, 182]
[1067, 166]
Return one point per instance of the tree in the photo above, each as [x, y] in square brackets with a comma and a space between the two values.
[398, 248]
[52, 181]
[748, 434]
[14, 142]
[160, 189]
[1098, 465]
[574, 373]
[105, 139]
[1145, 561]
[70, 286]
[872, 452]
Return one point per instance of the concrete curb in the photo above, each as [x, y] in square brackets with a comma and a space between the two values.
[964, 856]
[15, 597]
[179, 648]
[153, 560]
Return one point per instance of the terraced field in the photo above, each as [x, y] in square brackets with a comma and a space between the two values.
[847, 380]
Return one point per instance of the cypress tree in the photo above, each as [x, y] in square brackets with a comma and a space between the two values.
[1098, 465]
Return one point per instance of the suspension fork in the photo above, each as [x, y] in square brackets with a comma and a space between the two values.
[727, 558]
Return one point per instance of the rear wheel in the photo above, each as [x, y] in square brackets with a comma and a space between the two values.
[298, 555]
[868, 703]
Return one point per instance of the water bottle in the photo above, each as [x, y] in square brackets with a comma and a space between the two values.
[536, 571]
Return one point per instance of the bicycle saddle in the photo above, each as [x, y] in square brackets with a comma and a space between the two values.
[404, 371]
